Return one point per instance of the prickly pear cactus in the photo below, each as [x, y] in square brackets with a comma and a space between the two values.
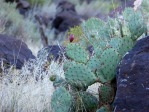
[104, 109]
[96, 28]
[67, 64]
[87, 101]
[106, 94]
[122, 45]
[61, 100]
[110, 41]
[109, 61]
[94, 63]
[135, 22]
[77, 53]
[79, 75]
[127, 44]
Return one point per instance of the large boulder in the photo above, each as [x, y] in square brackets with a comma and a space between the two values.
[66, 17]
[133, 80]
[14, 51]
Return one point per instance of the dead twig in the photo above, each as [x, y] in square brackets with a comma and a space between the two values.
[44, 38]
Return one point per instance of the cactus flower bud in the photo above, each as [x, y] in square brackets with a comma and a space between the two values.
[71, 38]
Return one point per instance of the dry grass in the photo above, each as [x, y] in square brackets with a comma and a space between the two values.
[21, 92]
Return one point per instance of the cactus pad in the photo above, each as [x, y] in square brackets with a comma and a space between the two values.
[106, 94]
[88, 101]
[61, 100]
[67, 64]
[126, 45]
[116, 43]
[135, 22]
[77, 53]
[103, 109]
[109, 61]
[122, 45]
[79, 75]
[94, 63]
[91, 27]
[98, 51]
[96, 28]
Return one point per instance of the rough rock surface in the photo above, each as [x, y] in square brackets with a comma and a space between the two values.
[133, 80]
[23, 6]
[66, 17]
[14, 51]
[53, 52]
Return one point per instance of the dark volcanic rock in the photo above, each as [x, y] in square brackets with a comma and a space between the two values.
[13, 51]
[133, 80]
[23, 7]
[53, 52]
[65, 6]
[66, 17]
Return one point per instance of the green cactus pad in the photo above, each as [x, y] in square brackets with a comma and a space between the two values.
[67, 64]
[60, 82]
[122, 45]
[98, 51]
[106, 94]
[91, 27]
[109, 61]
[103, 44]
[61, 100]
[96, 28]
[116, 43]
[126, 45]
[88, 101]
[94, 63]
[79, 75]
[125, 30]
[77, 53]
[113, 27]
[135, 22]
[103, 109]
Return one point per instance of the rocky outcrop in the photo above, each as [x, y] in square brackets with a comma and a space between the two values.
[133, 80]
[13, 52]
[66, 17]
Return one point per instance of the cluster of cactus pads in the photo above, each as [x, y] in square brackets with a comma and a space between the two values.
[110, 41]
